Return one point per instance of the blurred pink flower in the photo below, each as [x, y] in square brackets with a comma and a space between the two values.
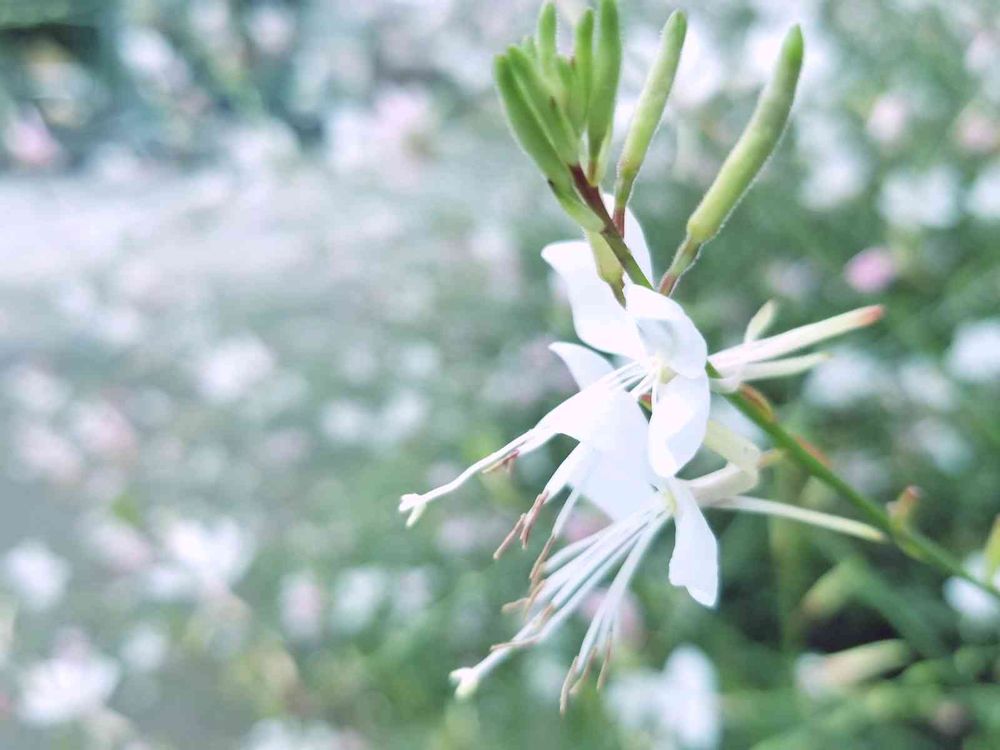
[871, 270]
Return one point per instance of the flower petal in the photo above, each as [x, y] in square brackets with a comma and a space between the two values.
[667, 331]
[695, 561]
[680, 419]
[615, 490]
[598, 318]
[584, 365]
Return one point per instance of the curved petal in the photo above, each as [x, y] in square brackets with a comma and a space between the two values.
[613, 489]
[584, 365]
[667, 331]
[680, 419]
[695, 560]
[598, 318]
[597, 415]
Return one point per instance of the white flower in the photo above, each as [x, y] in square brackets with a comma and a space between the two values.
[666, 359]
[37, 575]
[970, 601]
[678, 706]
[205, 558]
[974, 355]
[640, 504]
[665, 353]
[66, 688]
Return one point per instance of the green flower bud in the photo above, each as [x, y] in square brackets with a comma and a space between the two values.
[547, 39]
[608, 267]
[526, 127]
[607, 68]
[547, 110]
[755, 145]
[583, 63]
[649, 110]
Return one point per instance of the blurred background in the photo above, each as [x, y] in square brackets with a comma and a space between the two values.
[266, 265]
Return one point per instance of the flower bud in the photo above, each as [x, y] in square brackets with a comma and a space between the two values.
[527, 129]
[649, 110]
[547, 39]
[607, 68]
[583, 65]
[608, 267]
[755, 145]
[547, 110]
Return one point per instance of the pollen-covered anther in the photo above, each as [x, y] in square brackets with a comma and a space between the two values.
[531, 517]
[567, 685]
[511, 536]
[536, 570]
[506, 463]
[603, 674]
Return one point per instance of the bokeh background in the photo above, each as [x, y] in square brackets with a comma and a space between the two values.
[266, 265]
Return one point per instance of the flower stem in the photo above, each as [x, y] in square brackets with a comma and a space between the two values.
[591, 195]
[910, 541]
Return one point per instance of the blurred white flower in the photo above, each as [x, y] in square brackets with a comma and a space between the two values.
[29, 142]
[921, 199]
[66, 688]
[889, 118]
[35, 574]
[145, 647]
[942, 443]
[925, 383]
[983, 200]
[48, 454]
[345, 421]
[271, 27]
[301, 605]
[117, 544]
[834, 177]
[972, 603]
[357, 597]
[103, 430]
[678, 707]
[974, 355]
[233, 368]
[278, 734]
[849, 377]
[210, 556]
[37, 390]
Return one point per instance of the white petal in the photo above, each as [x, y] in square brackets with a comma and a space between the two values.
[588, 416]
[667, 331]
[614, 490]
[677, 427]
[598, 318]
[619, 479]
[695, 561]
[584, 365]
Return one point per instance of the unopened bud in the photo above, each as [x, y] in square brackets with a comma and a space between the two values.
[754, 146]
[607, 69]
[649, 110]
[901, 509]
[527, 129]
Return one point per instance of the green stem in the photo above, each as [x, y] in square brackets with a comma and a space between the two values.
[591, 195]
[911, 542]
